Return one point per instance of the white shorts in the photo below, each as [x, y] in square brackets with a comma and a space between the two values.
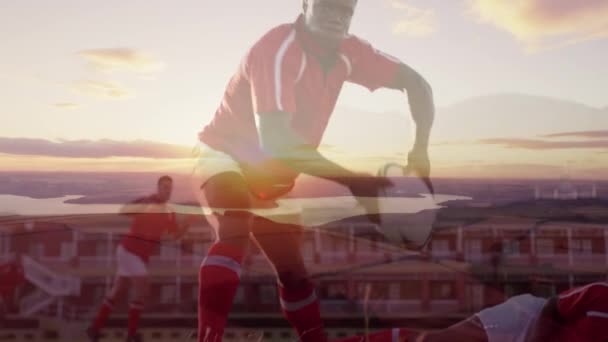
[212, 162]
[306, 211]
[129, 264]
[511, 320]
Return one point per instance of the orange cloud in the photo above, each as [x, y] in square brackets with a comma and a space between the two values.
[583, 134]
[532, 144]
[92, 148]
[106, 90]
[122, 59]
[505, 171]
[413, 21]
[28, 163]
[541, 24]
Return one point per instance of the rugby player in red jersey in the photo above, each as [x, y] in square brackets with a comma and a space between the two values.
[266, 132]
[152, 218]
[576, 315]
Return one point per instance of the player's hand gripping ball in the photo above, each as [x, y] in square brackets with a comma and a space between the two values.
[407, 208]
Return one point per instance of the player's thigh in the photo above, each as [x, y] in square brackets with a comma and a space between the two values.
[120, 286]
[280, 243]
[140, 286]
[227, 195]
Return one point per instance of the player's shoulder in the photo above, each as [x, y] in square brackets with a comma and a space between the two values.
[355, 44]
[148, 199]
[599, 289]
[273, 39]
[353, 40]
[355, 47]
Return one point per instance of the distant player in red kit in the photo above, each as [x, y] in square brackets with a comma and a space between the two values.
[12, 276]
[577, 315]
[266, 132]
[152, 218]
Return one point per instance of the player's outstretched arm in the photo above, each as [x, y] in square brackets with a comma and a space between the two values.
[134, 207]
[422, 108]
[182, 226]
[282, 142]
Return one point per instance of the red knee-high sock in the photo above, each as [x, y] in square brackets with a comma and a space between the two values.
[392, 335]
[219, 279]
[300, 306]
[135, 309]
[103, 314]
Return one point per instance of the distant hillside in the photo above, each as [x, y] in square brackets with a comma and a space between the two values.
[469, 119]
[535, 115]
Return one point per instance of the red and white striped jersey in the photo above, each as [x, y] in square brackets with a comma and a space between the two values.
[148, 228]
[585, 311]
[281, 72]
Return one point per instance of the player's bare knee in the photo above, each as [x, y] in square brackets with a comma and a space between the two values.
[141, 292]
[119, 288]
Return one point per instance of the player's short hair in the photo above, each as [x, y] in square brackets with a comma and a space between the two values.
[303, 1]
[163, 179]
[306, 2]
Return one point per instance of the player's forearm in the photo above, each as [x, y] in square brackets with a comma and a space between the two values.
[309, 161]
[134, 207]
[183, 226]
[281, 141]
[131, 209]
[422, 108]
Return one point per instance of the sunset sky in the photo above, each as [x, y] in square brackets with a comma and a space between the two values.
[126, 85]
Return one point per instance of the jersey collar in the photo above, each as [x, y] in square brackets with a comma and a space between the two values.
[309, 45]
